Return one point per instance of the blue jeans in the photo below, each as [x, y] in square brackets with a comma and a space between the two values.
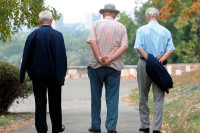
[111, 78]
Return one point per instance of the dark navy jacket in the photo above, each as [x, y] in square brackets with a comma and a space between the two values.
[158, 73]
[44, 56]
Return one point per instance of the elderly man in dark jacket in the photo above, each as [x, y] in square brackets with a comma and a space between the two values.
[45, 60]
[151, 39]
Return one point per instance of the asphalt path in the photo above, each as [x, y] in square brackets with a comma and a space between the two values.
[76, 101]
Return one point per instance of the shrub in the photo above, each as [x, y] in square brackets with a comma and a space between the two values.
[10, 86]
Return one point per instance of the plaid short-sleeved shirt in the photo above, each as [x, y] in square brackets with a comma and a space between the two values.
[109, 36]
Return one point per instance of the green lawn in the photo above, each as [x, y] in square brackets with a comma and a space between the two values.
[12, 121]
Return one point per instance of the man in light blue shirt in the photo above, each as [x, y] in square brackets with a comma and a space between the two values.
[156, 40]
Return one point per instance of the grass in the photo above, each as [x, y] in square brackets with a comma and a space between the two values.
[182, 104]
[11, 121]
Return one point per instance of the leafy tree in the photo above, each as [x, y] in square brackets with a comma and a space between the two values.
[185, 18]
[186, 9]
[15, 13]
[130, 56]
[139, 14]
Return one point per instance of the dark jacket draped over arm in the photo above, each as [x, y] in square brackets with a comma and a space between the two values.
[158, 73]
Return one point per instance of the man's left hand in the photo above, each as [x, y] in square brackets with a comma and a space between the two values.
[105, 60]
[160, 60]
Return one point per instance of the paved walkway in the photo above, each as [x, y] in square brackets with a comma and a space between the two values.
[76, 109]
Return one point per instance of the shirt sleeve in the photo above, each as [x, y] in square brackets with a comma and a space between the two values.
[92, 35]
[170, 45]
[124, 41]
[138, 40]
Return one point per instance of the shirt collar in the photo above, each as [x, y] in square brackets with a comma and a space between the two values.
[153, 22]
[45, 25]
[108, 17]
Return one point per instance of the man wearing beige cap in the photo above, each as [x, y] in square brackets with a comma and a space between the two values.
[108, 40]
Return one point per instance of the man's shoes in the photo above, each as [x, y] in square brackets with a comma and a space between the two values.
[93, 130]
[58, 130]
[112, 131]
[62, 128]
[155, 131]
[145, 130]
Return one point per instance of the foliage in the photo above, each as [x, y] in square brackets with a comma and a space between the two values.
[130, 56]
[15, 13]
[139, 14]
[186, 9]
[184, 18]
[181, 107]
[10, 87]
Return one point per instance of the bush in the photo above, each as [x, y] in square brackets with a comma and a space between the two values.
[10, 86]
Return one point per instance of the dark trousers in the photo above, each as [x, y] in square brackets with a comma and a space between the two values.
[111, 78]
[54, 98]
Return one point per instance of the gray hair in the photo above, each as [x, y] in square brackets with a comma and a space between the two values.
[45, 16]
[152, 12]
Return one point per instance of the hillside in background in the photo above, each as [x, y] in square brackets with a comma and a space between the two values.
[75, 43]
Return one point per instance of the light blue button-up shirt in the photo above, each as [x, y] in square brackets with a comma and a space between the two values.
[154, 39]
